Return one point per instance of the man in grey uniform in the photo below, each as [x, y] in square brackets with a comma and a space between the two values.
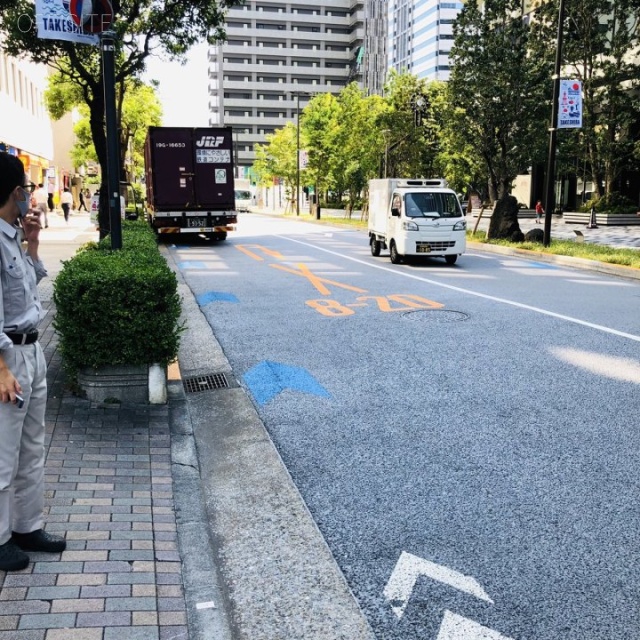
[23, 371]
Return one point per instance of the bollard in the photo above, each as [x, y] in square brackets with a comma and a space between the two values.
[592, 221]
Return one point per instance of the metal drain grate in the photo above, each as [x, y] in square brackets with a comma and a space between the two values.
[436, 315]
[205, 383]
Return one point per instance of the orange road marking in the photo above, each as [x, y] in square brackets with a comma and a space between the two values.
[316, 281]
[270, 252]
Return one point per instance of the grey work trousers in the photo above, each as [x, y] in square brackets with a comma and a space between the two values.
[22, 434]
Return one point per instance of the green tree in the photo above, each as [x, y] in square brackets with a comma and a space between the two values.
[359, 144]
[409, 126]
[499, 90]
[142, 28]
[601, 45]
[320, 132]
[457, 159]
[277, 159]
[139, 110]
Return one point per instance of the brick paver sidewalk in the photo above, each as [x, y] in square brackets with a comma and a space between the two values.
[109, 491]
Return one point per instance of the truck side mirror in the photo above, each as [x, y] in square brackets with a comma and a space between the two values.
[395, 212]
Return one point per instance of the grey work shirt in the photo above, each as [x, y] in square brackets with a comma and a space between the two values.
[20, 307]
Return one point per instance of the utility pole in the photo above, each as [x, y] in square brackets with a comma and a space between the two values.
[107, 42]
[297, 154]
[550, 181]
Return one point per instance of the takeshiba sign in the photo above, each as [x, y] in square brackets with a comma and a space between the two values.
[74, 20]
[570, 107]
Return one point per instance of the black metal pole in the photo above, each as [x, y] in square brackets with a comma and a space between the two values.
[113, 152]
[550, 181]
[297, 154]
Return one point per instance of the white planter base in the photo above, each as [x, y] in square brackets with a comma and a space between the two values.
[140, 384]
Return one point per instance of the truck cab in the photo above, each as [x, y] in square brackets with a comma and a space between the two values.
[415, 218]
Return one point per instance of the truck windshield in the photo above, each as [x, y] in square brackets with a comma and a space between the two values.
[437, 205]
[243, 195]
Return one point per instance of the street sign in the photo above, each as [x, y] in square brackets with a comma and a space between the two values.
[73, 20]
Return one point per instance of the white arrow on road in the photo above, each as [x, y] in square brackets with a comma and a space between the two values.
[455, 627]
[409, 568]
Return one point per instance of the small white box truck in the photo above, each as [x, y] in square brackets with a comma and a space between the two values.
[415, 217]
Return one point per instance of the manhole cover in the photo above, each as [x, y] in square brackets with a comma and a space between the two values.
[205, 383]
[436, 315]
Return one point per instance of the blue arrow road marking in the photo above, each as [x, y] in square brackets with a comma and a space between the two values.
[215, 296]
[192, 264]
[267, 379]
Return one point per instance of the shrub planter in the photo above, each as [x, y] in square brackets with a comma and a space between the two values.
[124, 383]
[604, 219]
[117, 312]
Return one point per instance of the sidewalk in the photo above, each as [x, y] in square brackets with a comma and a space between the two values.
[109, 491]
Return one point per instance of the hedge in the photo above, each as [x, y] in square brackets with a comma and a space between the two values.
[118, 307]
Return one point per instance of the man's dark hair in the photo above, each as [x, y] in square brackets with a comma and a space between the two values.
[11, 175]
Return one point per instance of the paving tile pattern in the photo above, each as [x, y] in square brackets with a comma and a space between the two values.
[109, 492]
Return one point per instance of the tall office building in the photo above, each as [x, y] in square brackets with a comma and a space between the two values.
[278, 54]
[420, 36]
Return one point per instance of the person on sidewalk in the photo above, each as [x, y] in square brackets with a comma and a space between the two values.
[539, 211]
[66, 202]
[23, 376]
[83, 204]
[41, 197]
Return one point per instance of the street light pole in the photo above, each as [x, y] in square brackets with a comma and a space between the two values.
[297, 154]
[550, 181]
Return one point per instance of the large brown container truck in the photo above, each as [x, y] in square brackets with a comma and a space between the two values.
[189, 180]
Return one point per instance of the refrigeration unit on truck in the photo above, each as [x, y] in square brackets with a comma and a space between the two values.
[189, 180]
[415, 218]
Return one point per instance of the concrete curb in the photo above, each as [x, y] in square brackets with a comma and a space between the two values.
[567, 261]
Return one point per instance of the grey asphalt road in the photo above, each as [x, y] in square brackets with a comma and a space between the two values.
[463, 437]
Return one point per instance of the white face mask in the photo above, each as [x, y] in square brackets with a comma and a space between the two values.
[24, 205]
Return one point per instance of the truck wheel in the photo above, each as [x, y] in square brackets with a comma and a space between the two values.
[395, 257]
[376, 245]
[451, 259]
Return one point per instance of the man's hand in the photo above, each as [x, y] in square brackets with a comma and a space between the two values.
[9, 386]
[31, 226]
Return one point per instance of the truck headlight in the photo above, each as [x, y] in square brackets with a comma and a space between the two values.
[460, 226]
[407, 225]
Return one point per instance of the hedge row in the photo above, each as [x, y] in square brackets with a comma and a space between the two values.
[118, 307]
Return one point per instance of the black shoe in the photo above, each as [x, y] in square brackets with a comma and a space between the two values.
[39, 540]
[12, 558]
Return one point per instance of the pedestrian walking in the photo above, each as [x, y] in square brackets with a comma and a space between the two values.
[66, 202]
[50, 192]
[23, 376]
[41, 197]
[539, 211]
[83, 204]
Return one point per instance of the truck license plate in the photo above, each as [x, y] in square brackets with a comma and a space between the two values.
[424, 249]
[197, 222]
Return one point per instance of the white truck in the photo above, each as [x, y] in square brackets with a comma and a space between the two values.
[415, 217]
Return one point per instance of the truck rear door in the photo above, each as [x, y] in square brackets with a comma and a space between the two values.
[173, 169]
[213, 179]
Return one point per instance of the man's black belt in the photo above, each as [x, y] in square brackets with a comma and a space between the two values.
[23, 338]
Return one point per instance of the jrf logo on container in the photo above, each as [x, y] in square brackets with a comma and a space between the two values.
[210, 141]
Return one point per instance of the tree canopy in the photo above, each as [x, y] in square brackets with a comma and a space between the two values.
[142, 28]
[499, 90]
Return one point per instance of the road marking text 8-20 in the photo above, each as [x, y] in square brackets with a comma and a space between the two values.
[407, 302]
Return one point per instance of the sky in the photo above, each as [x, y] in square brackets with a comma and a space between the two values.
[183, 90]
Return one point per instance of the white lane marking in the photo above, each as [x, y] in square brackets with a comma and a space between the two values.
[455, 627]
[513, 303]
[613, 367]
[409, 568]
[605, 283]
[206, 605]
